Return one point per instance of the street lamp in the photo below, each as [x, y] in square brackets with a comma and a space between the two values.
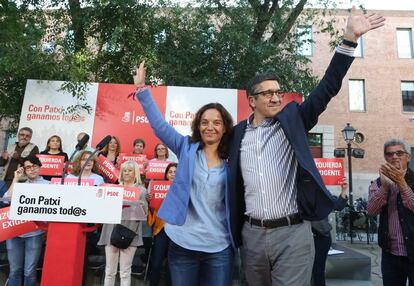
[349, 133]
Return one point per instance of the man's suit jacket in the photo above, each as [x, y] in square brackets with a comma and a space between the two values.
[314, 200]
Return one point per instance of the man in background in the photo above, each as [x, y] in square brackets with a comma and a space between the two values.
[392, 197]
[12, 157]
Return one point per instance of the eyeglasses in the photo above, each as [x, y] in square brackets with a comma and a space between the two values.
[399, 153]
[31, 167]
[28, 135]
[270, 93]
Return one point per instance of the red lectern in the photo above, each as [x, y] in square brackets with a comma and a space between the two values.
[65, 252]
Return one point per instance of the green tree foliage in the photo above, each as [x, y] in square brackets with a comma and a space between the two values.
[20, 56]
[208, 43]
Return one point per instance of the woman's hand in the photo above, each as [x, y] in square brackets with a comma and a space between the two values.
[148, 196]
[139, 77]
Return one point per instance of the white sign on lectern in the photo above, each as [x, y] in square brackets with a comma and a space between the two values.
[62, 203]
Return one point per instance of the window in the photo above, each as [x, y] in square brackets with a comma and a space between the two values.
[304, 37]
[407, 93]
[405, 43]
[359, 49]
[356, 95]
[315, 144]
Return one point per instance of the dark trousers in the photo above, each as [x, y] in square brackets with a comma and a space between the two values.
[396, 270]
[322, 245]
[147, 246]
[197, 268]
[158, 255]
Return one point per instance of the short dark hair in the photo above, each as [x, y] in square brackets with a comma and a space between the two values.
[228, 126]
[251, 84]
[139, 140]
[32, 159]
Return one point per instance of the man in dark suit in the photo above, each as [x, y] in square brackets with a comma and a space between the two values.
[273, 181]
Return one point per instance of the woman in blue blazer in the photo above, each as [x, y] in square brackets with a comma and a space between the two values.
[196, 207]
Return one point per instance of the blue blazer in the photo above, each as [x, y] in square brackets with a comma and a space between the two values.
[175, 206]
[314, 200]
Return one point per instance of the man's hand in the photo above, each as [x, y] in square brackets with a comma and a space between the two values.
[15, 155]
[395, 174]
[5, 155]
[385, 181]
[18, 174]
[357, 25]
[139, 77]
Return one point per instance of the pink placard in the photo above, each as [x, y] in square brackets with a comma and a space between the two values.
[331, 170]
[156, 169]
[140, 159]
[52, 165]
[72, 181]
[159, 190]
[12, 228]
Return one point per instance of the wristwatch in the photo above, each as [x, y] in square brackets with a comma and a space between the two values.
[349, 43]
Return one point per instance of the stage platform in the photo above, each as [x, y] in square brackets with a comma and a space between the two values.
[348, 268]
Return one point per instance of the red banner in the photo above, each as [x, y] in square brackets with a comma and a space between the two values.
[159, 190]
[52, 165]
[140, 159]
[107, 169]
[72, 181]
[131, 194]
[126, 119]
[156, 169]
[12, 228]
[331, 170]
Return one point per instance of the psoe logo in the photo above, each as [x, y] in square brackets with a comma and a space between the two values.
[131, 117]
[127, 117]
[112, 194]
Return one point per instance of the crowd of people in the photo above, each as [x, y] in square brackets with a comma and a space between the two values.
[24, 251]
[253, 185]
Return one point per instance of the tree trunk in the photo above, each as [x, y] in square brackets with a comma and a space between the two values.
[76, 15]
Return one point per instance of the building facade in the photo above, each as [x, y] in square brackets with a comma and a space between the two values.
[377, 95]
